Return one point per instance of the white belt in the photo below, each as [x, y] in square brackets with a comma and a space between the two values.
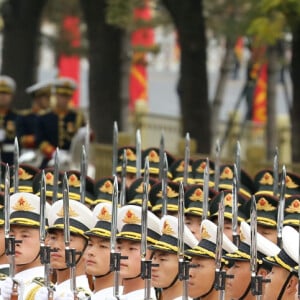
[8, 148]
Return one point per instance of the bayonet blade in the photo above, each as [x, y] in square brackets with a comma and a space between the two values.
[42, 208]
[217, 165]
[115, 148]
[220, 230]
[55, 175]
[123, 179]
[275, 172]
[16, 166]
[138, 149]
[280, 214]
[186, 159]
[113, 236]
[238, 165]
[235, 207]
[161, 156]
[144, 221]
[7, 201]
[205, 190]
[181, 221]
[66, 211]
[164, 186]
[83, 174]
[253, 237]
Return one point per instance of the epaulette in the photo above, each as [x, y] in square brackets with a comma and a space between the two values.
[24, 112]
[44, 111]
[41, 282]
[83, 290]
[2, 276]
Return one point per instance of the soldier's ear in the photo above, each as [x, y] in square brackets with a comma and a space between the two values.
[263, 272]
[291, 288]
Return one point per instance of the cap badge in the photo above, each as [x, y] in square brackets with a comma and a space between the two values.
[204, 233]
[263, 204]
[227, 173]
[170, 193]
[23, 175]
[74, 181]
[131, 218]
[104, 215]
[153, 157]
[72, 212]
[294, 207]
[167, 229]
[197, 195]
[107, 187]
[267, 179]
[23, 204]
[49, 178]
[228, 200]
[290, 183]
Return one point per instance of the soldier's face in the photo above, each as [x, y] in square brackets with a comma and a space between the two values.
[27, 251]
[43, 101]
[5, 100]
[167, 269]
[56, 241]
[268, 233]
[204, 273]
[278, 277]
[129, 268]
[62, 101]
[237, 285]
[193, 223]
[97, 256]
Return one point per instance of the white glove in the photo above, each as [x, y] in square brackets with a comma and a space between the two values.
[2, 135]
[6, 288]
[27, 157]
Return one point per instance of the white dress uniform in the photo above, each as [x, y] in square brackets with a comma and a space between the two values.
[138, 295]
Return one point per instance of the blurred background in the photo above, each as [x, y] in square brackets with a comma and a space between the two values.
[221, 70]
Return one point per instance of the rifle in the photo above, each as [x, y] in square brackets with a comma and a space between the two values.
[16, 165]
[161, 156]
[123, 179]
[275, 172]
[280, 214]
[83, 173]
[115, 148]
[205, 191]
[186, 159]
[10, 242]
[217, 165]
[164, 186]
[183, 265]
[238, 165]
[235, 235]
[220, 275]
[138, 149]
[44, 250]
[145, 264]
[55, 175]
[70, 253]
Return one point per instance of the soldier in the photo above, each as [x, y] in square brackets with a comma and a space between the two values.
[284, 274]
[129, 244]
[292, 211]
[203, 262]
[97, 258]
[24, 225]
[239, 287]
[8, 119]
[165, 271]
[27, 121]
[58, 127]
[4, 267]
[81, 220]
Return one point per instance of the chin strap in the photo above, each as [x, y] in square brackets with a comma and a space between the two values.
[284, 286]
[172, 283]
[204, 295]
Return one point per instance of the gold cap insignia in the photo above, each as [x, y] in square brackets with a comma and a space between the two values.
[204, 233]
[72, 212]
[267, 179]
[49, 178]
[129, 155]
[104, 215]
[153, 157]
[197, 195]
[107, 187]
[1, 206]
[201, 167]
[263, 204]
[131, 218]
[167, 229]
[242, 236]
[227, 173]
[74, 181]
[170, 193]
[228, 200]
[180, 167]
[23, 204]
[140, 188]
[23, 175]
[290, 183]
[294, 207]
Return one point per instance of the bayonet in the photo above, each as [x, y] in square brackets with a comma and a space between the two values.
[16, 166]
[205, 191]
[235, 235]
[115, 149]
[186, 159]
[238, 165]
[123, 179]
[275, 172]
[183, 273]
[164, 186]
[220, 275]
[138, 149]
[70, 253]
[280, 214]
[217, 165]
[161, 156]
[55, 175]
[83, 174]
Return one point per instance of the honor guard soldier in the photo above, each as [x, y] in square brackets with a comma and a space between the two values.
[24, 226]
[284, 274]
[81, 219]
[165, 271]
[292, 211]
[28, 119]
[97, 263]
[203, 262]
[4, 266]
[129, 244]
[58, 127]
[239, 287]
[8, 119]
